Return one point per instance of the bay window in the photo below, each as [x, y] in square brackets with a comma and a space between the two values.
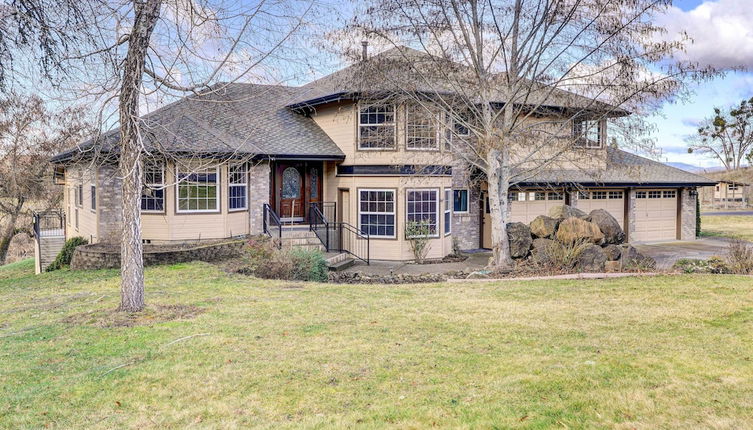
[237, 187]
[376, 212]
[197, 189]
[422, 206]
[376, 127]
[153, 190]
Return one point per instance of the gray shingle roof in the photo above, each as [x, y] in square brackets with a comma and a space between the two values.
[243, 119]
[394, 71]
[623, 168]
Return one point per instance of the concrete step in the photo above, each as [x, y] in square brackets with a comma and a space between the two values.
[341, 265]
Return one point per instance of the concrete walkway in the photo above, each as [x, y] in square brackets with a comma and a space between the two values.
[667, 253]
[475, 261]
[741, 213]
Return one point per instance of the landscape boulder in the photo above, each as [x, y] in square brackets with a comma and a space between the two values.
[612, 266]
[608, 225]
[566, 211]
[613, 252]
[520, 239]
[544, 226]
[591, 259]
[541, 243]
[573, 230]
[632, 259]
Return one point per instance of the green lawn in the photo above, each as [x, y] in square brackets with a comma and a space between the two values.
[733, 226]
[666, 352]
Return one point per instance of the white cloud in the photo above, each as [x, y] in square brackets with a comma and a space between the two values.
[722, 32]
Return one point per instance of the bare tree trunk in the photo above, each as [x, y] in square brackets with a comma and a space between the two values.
[10, 230]
[499, 183]
[129, 167]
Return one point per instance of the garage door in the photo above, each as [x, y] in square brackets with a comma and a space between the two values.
[655, 215]
[613, 201]
[527, 205]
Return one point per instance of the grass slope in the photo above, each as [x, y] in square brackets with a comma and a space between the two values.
[220, 351]
[733, 226]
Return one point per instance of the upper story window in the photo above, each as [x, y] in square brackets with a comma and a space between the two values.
[732, 187]
[376, 127]
[420, 129]
[198, 189]
[93, 189]
[588, 133]
[153, 191]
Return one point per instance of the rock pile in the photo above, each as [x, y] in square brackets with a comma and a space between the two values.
[597, 236]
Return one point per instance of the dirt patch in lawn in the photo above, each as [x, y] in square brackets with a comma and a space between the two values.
[151, 315]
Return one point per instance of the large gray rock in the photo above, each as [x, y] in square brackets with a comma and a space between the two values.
[566, 211]
[591, 259]
[544, 226]
[608, 225]
[573, 230]
[520, 239]
[541, 243]
[613, 252]
[632, 259]
[540, 252]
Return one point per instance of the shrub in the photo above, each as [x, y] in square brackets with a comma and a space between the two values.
[66, 254]
[691, 265]
[740, 257]
[560, 255]
[418, 235]
[265, 260]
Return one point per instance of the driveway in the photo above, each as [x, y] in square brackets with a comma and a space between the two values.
[727, 213]
[667, 253]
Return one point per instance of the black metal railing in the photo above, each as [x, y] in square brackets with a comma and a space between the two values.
[49, 223]
[337, 236]
[272, 225]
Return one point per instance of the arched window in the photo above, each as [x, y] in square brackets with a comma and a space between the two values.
[291, 183]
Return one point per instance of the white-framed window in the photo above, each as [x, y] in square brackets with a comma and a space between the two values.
[376, 212]
[448, 204]
[80, 195]
[554, 195]
[584, 195]
[537, 196]
[93, 190]
[615, 195]
[669, 194]
[654, 194]
[587, 133]
[376, 126]
[460, 201]
[153, 190]
[599, 195]
[420, 129]
[198, 189]
[237, 184]
[640, 194]
[422, 206]
[732, 187]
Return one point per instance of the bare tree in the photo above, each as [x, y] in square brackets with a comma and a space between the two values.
[727, 136]
[516, 78]
[29, 133]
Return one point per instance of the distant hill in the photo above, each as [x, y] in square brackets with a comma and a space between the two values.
[689, 167]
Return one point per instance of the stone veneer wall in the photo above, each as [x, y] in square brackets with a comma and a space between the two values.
[687, 214]
[631, 214]
[94, 257]
[259, 188]
[466, 227]
[109, 204]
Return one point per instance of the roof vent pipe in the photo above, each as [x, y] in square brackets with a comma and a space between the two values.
[364, 50]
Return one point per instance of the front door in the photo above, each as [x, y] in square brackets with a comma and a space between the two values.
[290, 188]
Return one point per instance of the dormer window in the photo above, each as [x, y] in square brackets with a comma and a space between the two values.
[588, 133]
[376, 127]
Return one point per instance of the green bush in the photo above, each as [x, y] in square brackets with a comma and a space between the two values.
[66, 254]
[265, 260]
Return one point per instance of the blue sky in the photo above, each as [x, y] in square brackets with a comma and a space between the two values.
[723, 33]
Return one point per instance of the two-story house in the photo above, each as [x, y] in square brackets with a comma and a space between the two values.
[247, 157]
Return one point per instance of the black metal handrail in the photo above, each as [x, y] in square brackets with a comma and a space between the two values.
[338, 236]
[270, 221]
[327, 209]
[48, 223]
